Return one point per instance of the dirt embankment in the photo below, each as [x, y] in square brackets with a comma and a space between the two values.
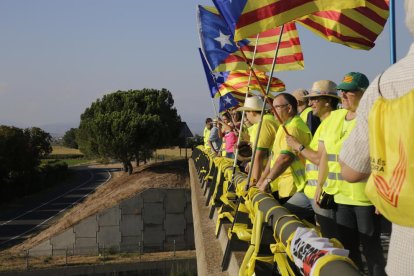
[172, 174]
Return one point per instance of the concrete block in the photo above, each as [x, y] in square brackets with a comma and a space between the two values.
[87, 228]
[131, 225]
[42, 249]
[154, 236]
[175, 201]
[153, 195]
[85, 246]
[188, 213]
[63, 240]
[132, 206]
[110, 217]
[174, 224]
[189, 236]
[180, 243]
[109, 236]
[188, 196]
[153, 213]
[132, 244]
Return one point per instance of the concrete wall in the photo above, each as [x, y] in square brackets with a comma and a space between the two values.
[154, 220]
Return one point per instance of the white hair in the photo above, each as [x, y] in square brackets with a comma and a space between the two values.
[409, 15]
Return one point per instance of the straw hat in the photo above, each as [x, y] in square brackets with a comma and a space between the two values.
[299, 94]
[324, 88]
[254, 103]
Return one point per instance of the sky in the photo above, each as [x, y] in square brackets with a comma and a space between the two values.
[57, 57]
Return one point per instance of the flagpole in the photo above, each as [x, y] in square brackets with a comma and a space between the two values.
[242, 118]
[265, 93]
[254, 148]
[393, 50]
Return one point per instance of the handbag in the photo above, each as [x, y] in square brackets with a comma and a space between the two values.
[327, 201]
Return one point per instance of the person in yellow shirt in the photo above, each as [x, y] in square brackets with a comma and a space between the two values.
[305, 110]
[206, 132]
[285, 171]
[355, 216]
[252, 107]
[323, 99]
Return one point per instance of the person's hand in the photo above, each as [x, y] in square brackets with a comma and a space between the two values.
[292, 142]
[247, 168]
[377, 212]
[318, 193]
[263, 186]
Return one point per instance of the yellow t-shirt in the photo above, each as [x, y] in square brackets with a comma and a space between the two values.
[298, 129]
[267, 133]
[206, 135]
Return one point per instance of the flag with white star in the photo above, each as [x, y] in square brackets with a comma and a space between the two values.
[223, 54]
[247, 18]
[228, 101]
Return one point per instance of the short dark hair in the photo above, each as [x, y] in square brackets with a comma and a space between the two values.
[208, 120]
[291, 100]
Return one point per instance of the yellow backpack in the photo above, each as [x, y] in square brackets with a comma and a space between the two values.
[391, 141]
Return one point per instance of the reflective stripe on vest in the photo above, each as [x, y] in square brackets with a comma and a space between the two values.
[335, 176]
[311, 167]
[333, 158]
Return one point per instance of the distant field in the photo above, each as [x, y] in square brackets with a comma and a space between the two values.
[64, 150]
[171, 153]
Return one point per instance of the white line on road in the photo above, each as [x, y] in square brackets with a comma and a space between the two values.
[43, 222]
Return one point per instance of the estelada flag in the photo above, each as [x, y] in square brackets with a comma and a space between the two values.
[223, 54]
[247, 18]
[237, 81]
[356, 28]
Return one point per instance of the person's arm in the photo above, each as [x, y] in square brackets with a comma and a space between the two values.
[264, 173]
[213, 137]
[323, 171]
[306, 152]
[257, 169]
[351, 175]
[283, 162]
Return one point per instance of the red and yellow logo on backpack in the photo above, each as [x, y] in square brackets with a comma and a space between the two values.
[389, 189]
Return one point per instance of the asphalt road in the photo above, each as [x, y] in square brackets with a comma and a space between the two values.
[29, 215]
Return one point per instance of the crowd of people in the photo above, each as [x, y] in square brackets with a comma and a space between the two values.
[321, 158]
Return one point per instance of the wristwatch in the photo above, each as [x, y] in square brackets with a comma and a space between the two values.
[302, 147]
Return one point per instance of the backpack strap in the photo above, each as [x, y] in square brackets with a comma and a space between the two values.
[378, 84]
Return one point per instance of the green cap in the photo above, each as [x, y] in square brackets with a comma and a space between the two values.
[354, 81]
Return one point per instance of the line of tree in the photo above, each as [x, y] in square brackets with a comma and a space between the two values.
[20, 153]
[129, 125]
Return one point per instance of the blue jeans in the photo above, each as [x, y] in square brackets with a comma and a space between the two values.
[357, 224]
[300, 205]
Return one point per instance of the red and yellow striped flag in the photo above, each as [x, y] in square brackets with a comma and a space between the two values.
[356, 28]
[249, 17]
[290, 56]
[237, 81]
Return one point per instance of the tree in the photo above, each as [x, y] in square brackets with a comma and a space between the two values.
[20, 153]
[69, 139]
[40, 142]
[121, 124]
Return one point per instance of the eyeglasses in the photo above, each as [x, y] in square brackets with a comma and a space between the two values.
[280, 106]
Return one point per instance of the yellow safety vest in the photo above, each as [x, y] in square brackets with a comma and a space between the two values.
[312, 170]
[304, 114]
[206, 135]
[391, 133]
[333, 138]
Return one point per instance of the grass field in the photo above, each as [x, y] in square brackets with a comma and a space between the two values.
[64, 150]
